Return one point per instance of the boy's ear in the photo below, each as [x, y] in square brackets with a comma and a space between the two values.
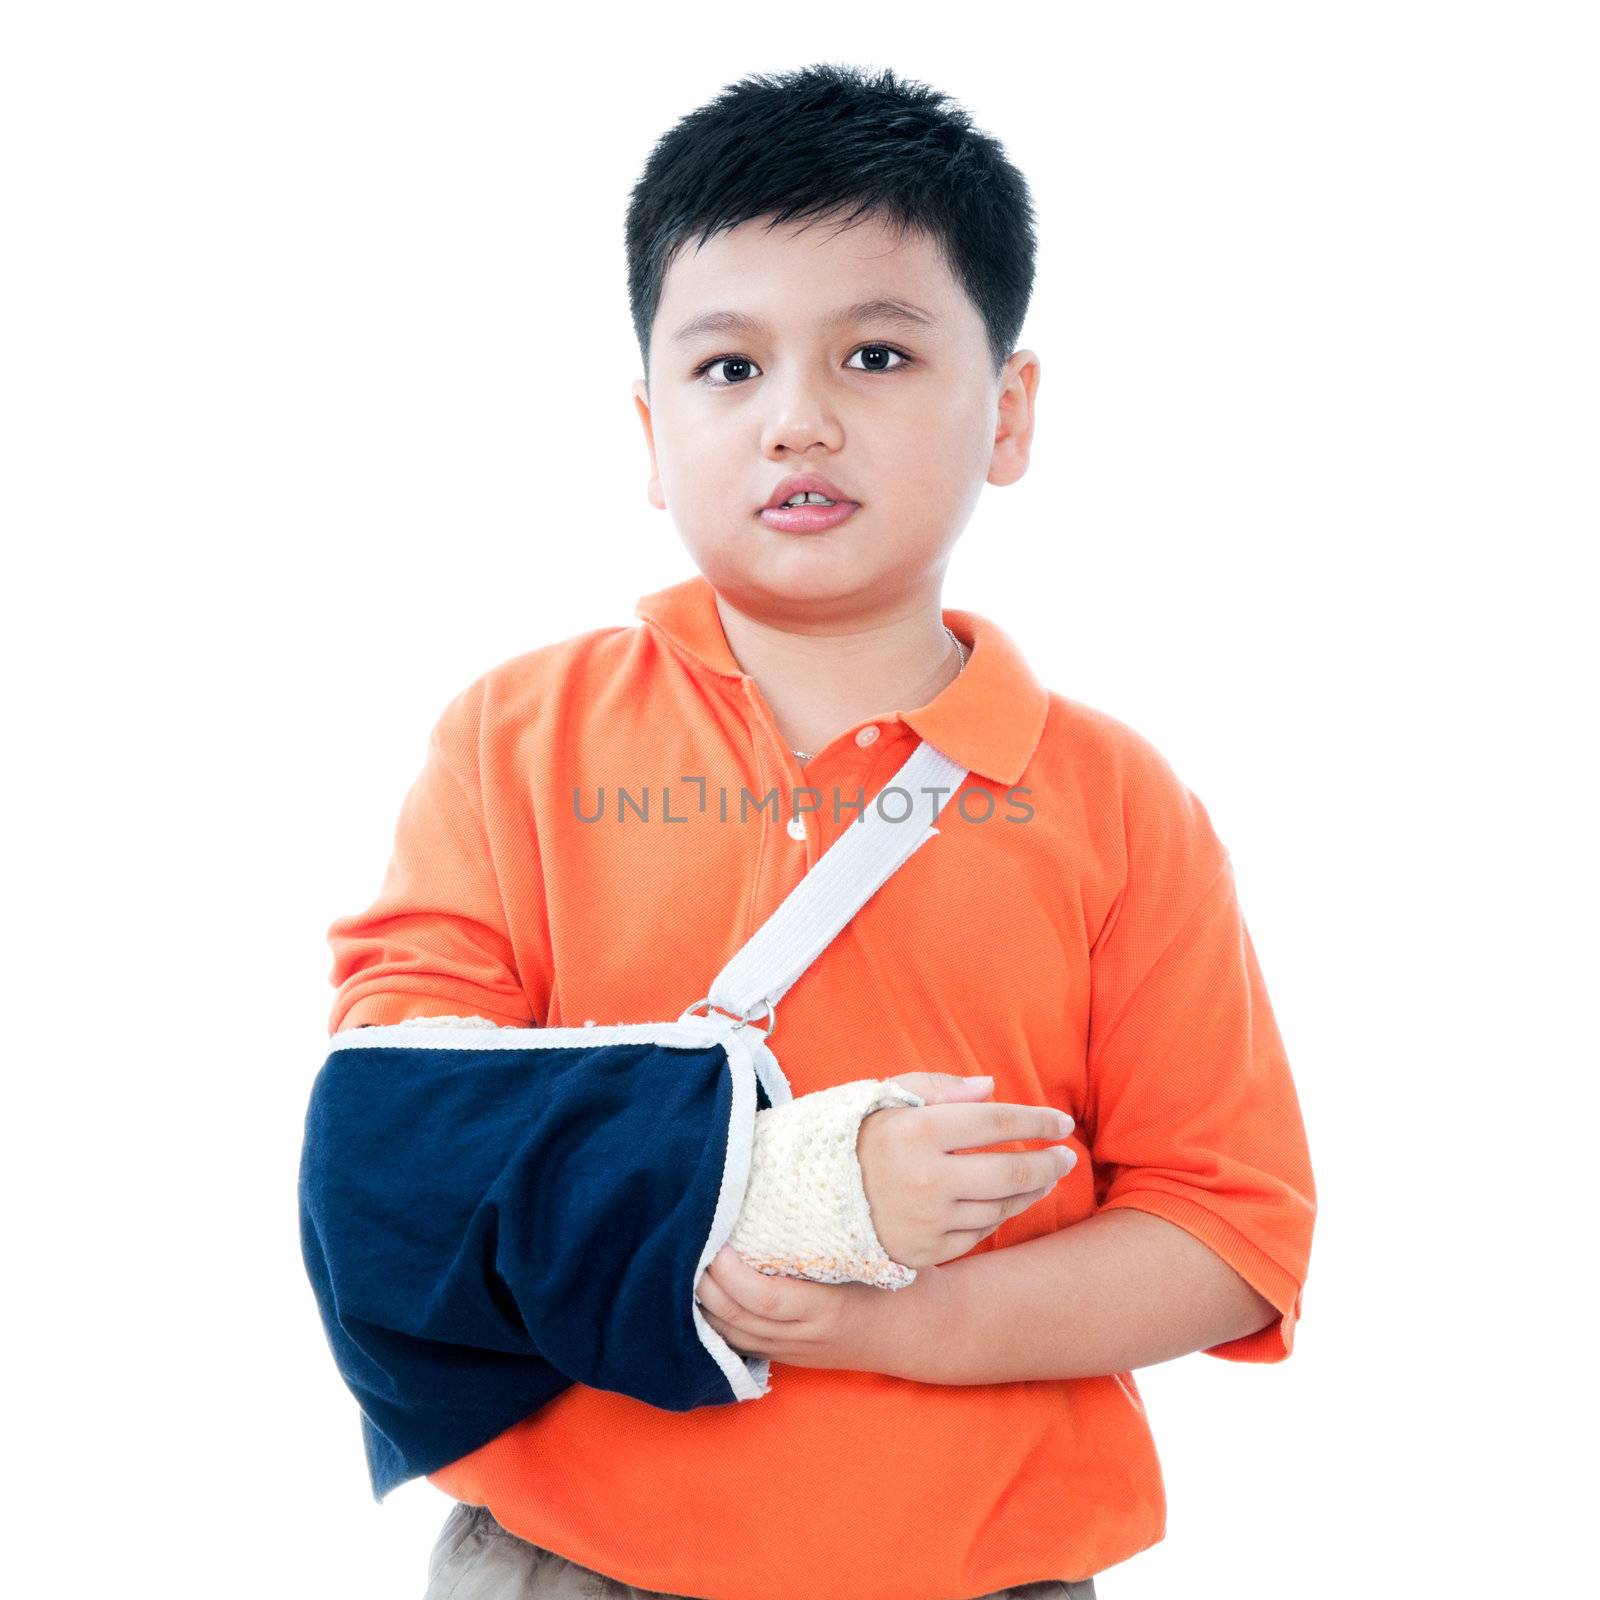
[641, 402]
[1019, 381]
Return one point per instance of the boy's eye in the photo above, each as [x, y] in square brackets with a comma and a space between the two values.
[878, 351]
[743, 366]
[741, 363]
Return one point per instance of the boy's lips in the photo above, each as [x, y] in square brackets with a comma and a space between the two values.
[807, 518]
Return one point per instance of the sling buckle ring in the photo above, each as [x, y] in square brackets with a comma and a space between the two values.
[740, 1022]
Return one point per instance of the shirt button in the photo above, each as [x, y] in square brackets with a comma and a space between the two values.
[866, 736]
[797, 827]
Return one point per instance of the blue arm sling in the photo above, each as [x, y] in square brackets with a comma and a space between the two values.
[488, 1216]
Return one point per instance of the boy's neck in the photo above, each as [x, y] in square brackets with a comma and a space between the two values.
[824, 679]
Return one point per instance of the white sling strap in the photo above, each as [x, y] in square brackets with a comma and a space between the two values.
[831, 893]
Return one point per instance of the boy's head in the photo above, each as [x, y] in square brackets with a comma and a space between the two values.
[759, 219]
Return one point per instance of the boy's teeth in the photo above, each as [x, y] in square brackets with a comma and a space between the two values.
[808, 499]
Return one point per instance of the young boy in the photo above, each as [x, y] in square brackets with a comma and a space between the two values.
[828, 273]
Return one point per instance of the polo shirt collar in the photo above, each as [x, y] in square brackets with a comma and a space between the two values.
[989, 717]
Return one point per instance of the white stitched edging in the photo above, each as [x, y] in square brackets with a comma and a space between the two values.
[748, 1376]
[430, 1033]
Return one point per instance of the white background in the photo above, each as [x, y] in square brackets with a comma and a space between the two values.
[315, 374]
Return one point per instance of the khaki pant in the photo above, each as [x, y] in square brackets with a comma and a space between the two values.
[474, 1558]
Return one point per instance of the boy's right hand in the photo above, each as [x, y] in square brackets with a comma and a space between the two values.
[929, 1202]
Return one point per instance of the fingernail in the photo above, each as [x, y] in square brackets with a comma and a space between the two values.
[986, 1078]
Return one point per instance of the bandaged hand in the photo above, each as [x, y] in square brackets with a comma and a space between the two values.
[933, 1191]
[805, 1212]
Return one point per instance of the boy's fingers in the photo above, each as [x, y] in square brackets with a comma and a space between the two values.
[1009, 1176]
[970, 1127]
[1012, 1120]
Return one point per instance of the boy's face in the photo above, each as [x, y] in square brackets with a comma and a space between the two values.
[911, 436]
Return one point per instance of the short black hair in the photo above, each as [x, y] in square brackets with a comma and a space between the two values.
[808, 142]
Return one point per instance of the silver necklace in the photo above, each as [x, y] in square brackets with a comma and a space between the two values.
[961, 652]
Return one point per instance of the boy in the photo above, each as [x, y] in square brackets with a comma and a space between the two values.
[828, 273]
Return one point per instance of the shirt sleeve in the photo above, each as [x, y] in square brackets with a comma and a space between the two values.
[435, 942]
[1192, 1107]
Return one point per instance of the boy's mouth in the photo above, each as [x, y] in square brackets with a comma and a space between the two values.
[806, 502]
[809, 516]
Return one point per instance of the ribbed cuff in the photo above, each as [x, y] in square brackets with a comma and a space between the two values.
[1275, 1341]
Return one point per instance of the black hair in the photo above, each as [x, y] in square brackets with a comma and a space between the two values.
[808, 142]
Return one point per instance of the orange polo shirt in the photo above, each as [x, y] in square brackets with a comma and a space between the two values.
[576, 849]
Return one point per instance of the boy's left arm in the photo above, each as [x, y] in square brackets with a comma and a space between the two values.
[1201, 1239]
[1120, 1290]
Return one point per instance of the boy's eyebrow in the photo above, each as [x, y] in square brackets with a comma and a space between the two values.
[865, 310]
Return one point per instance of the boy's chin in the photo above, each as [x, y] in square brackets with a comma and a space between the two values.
[793, 577]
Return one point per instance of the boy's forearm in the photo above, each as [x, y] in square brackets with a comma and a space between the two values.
[1120, 1290]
